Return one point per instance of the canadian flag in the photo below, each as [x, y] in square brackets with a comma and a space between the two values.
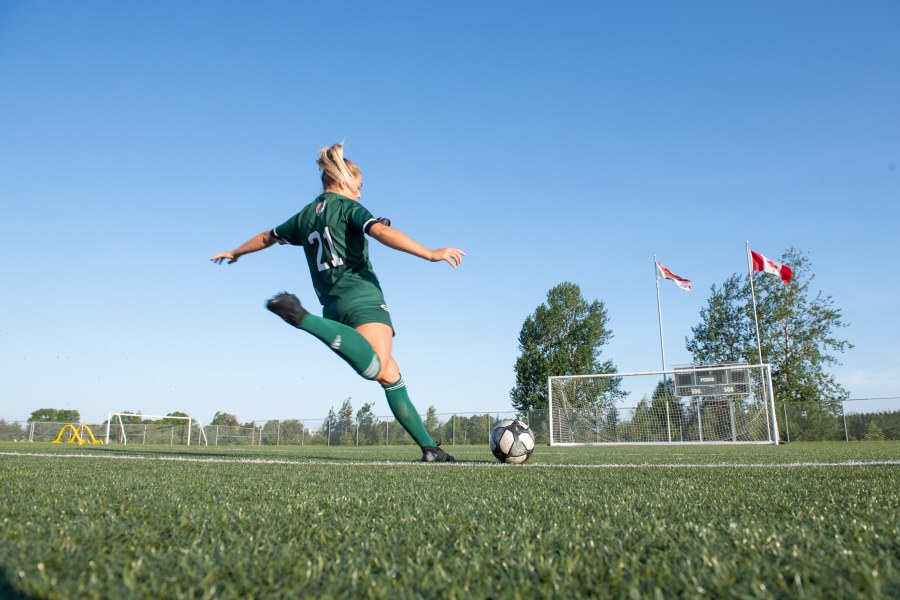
[681, 282]
[761, 263]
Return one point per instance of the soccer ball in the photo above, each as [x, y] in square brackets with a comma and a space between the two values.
[512, 442]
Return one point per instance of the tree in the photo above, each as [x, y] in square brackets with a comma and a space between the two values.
[56, 415]
[797, 332]
[329, 427]
[863, 425]
[474, 429]
[667, 411]
[814, 421]
[431, 420]
[224, 418]
[367, 423]
[562, 337]
[346, 428]
[874, 432]
[177, 413]
[725, 333]
[11, 431]
[292, 432]
[270, 432]
[638, 429]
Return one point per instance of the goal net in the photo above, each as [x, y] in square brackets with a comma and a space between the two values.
[689, 405]
[132, 428]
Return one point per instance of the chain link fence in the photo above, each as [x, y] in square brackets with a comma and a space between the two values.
[856, 419]
[850, 420]
[449, 429]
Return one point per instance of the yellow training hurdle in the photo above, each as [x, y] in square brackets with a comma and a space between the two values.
[77, 435]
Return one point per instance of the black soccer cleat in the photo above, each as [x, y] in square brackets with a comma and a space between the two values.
[288, 307]
[435, 454]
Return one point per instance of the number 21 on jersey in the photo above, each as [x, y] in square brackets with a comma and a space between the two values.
[316, 238]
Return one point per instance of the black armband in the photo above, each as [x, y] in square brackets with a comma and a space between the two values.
[370, 222]
[276, 237]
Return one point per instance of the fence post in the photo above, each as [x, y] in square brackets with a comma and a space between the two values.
[787, 428]
[731, 414]
[668, 418]
[699, 421]
[278, 435]
[31, 433]
[844, 416]
[616, 422]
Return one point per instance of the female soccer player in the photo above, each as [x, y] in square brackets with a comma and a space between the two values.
[356, 323]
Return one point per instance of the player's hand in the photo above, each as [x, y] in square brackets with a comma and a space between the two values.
[453, 256]
[223, 256]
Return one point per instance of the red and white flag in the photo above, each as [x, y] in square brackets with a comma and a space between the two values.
[681, 282]
[761, 263]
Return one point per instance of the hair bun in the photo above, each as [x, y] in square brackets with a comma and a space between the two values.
[335, 168]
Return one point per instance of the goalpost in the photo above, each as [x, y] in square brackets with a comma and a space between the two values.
[154, 429]
[721, 404]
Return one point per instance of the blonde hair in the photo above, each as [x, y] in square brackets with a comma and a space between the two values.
[335, 168]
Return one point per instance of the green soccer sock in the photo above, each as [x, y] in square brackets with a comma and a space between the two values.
[346, 343]
[406, 414]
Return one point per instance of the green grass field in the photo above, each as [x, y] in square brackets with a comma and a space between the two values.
[801, 520]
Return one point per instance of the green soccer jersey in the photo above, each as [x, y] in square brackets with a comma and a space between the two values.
[332, 232]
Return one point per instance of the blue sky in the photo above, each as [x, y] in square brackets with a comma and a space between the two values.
[566, 141]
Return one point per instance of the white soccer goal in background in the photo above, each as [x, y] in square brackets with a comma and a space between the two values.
[691, 405]
[153, 429]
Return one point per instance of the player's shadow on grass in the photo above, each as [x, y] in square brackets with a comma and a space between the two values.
[7, 591]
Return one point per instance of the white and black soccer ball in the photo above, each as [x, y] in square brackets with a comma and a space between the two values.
[512, 441]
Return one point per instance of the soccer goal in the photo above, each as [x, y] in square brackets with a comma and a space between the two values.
[687, 405]
[153, 429]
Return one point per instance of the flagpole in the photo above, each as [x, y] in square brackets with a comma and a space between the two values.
[662, 346]
[773, 424]
[753, 295]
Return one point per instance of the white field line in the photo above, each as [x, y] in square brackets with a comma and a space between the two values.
[278, 461]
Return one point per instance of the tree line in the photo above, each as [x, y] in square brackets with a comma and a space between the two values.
[345, 426]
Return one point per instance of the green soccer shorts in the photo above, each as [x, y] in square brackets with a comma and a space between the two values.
[359, 315]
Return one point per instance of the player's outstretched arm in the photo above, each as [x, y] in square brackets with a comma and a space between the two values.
[396, 239]
[254, 244]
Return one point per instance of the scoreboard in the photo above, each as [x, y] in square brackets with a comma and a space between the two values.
[694, 381]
